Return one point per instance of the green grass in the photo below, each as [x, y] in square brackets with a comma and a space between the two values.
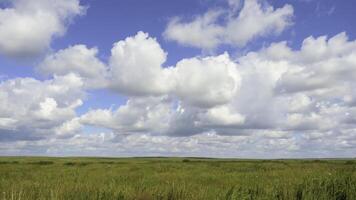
[175, 178]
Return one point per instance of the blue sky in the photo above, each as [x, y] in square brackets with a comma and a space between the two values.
[225, 78]
[107, 22]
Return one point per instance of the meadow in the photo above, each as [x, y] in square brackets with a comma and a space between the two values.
[175, 178]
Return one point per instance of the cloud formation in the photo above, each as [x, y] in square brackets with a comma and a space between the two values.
[258, 91]
[278, 100]
[136, 66]
[28, 26]
[148, 114]
[79, 60]
[239, 27]
[136, 69]
[206, 82]
[32, 109]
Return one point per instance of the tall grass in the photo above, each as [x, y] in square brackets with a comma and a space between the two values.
[174, 178]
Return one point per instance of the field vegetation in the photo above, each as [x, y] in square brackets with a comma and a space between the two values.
[175, 178]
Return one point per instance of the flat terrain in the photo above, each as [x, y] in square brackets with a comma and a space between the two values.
[175, 178]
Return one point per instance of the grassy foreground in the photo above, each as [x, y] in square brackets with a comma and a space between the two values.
[175, 178]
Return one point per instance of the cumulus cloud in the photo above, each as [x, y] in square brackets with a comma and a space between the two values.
[258, 91]
[278, 100]
[221, 116]
[136, 69]
[315, 85]
[320, 64]
[253, 20]
[28, 26]
[33, 109]
[136, 66]
[206, 144]
[77, 59]
[206, 82]
[260, 144]
[144, 114]
[274, 99]
[202, 32]
[271, 89]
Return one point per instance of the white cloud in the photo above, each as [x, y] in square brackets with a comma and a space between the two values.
[278, 101]
[320, 64]
[68, 128]
[233, 97]
[253, 20]
[202, 32]
[136, 66]
[147, 114]
[256, 20]
[206, 82]
[313, 88]
[221, 116]
[264, 101]
[28, 26]
[33, 109]
[76, 59]
[136, 69]
[206, 144]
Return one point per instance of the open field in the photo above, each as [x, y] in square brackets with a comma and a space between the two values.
[175, 178]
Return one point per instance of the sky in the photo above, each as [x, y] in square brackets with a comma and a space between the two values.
[212, 78]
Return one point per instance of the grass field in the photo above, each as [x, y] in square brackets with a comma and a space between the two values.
[175, 178]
